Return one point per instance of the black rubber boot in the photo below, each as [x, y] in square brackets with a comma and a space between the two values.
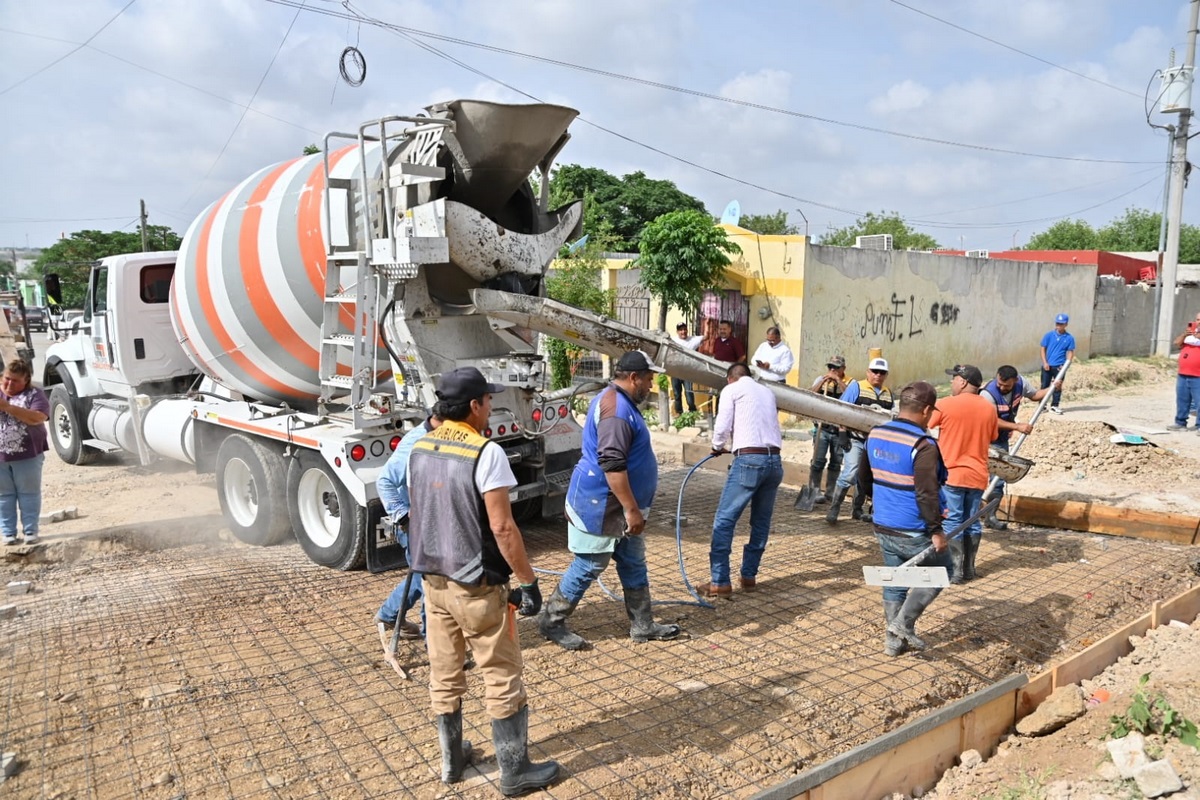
[957, 561]
[456, 753]
[856, 508]
[814, 480]
[831, 476]
[904, 623]
[995, 524]
[510, 737]
[643, 627]
[970, 550]
[553, 622]
[835, 505]
[893, 645]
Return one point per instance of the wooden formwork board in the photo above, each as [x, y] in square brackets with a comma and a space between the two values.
[1075, 515]
[918, 753]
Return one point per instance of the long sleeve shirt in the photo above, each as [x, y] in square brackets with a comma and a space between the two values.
[778, 358]
[746, 417]
[925, 483]
[392, 483]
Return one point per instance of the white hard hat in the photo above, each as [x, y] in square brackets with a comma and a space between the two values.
[878, 364]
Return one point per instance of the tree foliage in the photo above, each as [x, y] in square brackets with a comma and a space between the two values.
[683, 254]
[72, 258]
[578, 280]
[768, 224]
[903, 236]
[310, 150]
[625, 204]
[1135, 231]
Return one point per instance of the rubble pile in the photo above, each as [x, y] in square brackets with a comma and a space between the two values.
[1085, 449]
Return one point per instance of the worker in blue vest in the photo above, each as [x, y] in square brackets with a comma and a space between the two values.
[1005, 392]
[903, 471]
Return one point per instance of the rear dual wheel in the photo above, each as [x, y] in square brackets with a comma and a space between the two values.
[329, 524]
[250, 488]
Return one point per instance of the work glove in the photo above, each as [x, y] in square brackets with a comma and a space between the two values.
[526, 598]
[844, 441]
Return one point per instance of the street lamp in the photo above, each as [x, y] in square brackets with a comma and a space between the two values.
[801, 213]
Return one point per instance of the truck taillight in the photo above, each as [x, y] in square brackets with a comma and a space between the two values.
[537, 415]
[394, 442]
[514, 428]
[358, 452]
[562, 411]
[502, 430]
[487, 432]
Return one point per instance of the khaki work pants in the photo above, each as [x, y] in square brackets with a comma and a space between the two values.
[458, 615]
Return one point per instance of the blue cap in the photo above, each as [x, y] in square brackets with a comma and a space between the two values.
[1061, 319]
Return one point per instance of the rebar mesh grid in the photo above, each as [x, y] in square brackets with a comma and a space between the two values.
[220, 670]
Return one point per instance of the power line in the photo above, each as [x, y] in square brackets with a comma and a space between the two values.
[261, 81]
[58, 219]
[165, 76]
[695, 92]
[998, 43]
[71, 52]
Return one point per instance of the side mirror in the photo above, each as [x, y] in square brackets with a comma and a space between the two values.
[53, 289]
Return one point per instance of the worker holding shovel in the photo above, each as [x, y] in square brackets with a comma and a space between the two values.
[904, 473]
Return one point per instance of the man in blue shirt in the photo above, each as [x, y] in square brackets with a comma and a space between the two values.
[1058, 347]
[392, 486]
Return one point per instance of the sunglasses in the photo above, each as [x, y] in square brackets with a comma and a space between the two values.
[878, 371]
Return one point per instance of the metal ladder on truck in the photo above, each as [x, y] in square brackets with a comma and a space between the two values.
[381, 251]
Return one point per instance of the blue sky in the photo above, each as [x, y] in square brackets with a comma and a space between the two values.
[149, 108]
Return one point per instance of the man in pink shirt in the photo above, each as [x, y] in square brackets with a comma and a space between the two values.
[748, 424]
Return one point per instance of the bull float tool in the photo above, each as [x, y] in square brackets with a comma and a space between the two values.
[911, 574]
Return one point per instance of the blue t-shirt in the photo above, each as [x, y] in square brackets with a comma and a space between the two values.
[1057, 346]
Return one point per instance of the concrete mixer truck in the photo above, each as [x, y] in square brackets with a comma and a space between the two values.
[299, 330]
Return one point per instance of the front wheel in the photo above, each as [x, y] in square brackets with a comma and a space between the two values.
[328, 523]
[66, 429]
[250, 488]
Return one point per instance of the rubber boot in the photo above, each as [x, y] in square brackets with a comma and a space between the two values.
[456, 753]
[903, 625]
[893, 645]
[994, 523]
[814, 480]
[957, 561]
[835, 505]
[831, 478]
[856, 509]
[970, 549]
[643, 627]
[553, 622]
[510, 737]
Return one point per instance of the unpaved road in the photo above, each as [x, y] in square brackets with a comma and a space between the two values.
[157, 658]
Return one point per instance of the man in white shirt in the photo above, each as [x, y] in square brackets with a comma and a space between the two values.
[678, 385]
[773, 358]
[748, 424]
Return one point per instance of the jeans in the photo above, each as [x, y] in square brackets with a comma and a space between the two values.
[1187, 400]
[630, 555]
[678, 387]
[21, 487]
[825, 442]
[898, 549]
[753, 480]
[391, 607]
[1047, 379]
[961, 504]
[850, 462]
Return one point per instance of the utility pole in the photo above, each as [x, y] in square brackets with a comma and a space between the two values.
[1166, 317]
[145, 245]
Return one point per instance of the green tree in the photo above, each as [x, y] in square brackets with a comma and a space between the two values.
[311, 150]
[72, 258]
[903, 236]
[768, 224]
[683, 254]
[1066, 234]
[626, 204]
[578, 280]
[1137, 231]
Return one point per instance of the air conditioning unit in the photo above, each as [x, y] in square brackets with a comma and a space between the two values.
[977, 254]
[878, 241]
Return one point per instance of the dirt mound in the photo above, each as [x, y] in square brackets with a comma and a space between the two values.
[1105, 374]
[1085, 449]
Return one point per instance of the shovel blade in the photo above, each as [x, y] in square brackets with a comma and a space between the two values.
[806, 499]
[907, 577]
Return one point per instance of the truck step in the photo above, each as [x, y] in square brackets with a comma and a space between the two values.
[342, 339]
[340, 381]
[102, 446]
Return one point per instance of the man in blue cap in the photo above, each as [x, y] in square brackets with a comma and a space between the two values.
[1058, 347]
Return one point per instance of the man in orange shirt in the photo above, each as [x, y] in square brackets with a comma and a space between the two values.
[967, 424]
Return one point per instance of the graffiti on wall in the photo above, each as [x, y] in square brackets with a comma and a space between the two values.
[903, 317]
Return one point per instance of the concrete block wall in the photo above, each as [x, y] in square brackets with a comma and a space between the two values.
[1123, 316]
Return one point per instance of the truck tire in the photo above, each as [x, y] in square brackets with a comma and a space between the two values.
[250, 487]
[67, 430]
[329, 524]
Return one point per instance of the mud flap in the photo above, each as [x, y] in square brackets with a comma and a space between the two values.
[384, 553]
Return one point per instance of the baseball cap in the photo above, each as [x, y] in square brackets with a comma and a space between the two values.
[1061, 319]
[968, 373]
[878, 364]
[637, 361]
[465, 384]
[681, 326]
[836, 362]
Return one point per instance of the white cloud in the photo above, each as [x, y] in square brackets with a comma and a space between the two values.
[907, 95]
